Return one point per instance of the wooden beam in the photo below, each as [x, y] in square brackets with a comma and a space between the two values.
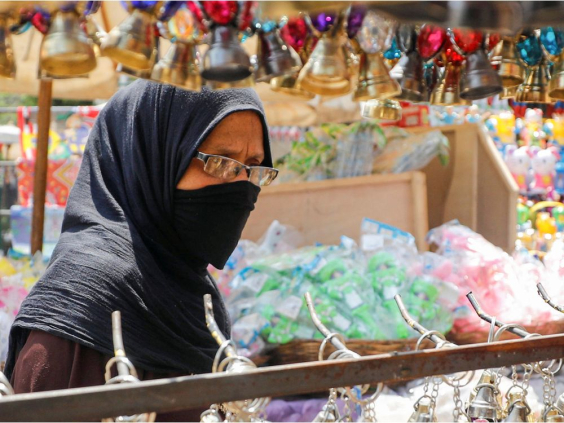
[41, 163]
[94, 403]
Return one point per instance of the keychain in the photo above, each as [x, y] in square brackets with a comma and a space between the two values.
[246, 410]
[126, 372]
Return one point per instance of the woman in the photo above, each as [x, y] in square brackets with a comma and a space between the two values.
[158, 198]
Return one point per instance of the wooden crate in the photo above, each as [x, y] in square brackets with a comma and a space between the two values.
[475, 187]
[323, 211]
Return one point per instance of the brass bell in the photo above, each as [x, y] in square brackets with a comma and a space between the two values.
[518, 409]
[484, 404]
[274, 57]
[535, 87]
[288, 83]
[96, 34]
[136, 73]
[66, 50]
[386, 110]
[479, 79]
[248, 82]
[423, 412]
[374, 81]
[554, 416]
[556, 84]
[510, 69]
[132, 42]
[180, 66]
[409, 74]
[326, 71]
[447, 90]
[509, 92]
[7, 60]
[225, 60]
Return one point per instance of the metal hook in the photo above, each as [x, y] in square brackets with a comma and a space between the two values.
[119, 349]
[229, 351]
[337, 343]
[416, 325]
[519, 331]
[542, 292]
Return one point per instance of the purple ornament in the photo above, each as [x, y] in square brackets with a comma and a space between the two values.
[92, 7]
[354, 23]
[323, 21]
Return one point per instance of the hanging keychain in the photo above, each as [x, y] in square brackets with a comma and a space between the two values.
[5, 387]
[126, 372]
[426, 405]
[350, 396]
[485, 400]
[246, 410]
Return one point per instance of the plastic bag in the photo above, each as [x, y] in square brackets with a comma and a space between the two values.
[412, 153]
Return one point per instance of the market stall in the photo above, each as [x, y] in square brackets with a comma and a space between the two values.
[419, 148]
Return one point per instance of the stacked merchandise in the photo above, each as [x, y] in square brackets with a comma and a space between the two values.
[354, 285]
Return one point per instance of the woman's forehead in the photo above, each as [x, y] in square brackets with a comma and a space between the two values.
[239, 131]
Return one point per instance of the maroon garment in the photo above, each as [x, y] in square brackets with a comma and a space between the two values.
[47, 363]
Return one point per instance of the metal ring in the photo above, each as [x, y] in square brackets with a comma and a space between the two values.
[122, 379]
[515, 386]
[506, 327]
[416, 405]
[363, 402]
[427, 335]
[548, 369]
[123, 360]
[5, 385]
[220, 351]
[228, 360]
[324, 344]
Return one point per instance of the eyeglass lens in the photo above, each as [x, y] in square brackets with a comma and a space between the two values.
[226, 168]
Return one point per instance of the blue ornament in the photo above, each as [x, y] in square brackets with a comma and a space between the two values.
[530, 51]
[138, 4]
[552, 40]
[268, 26]
[393, 52]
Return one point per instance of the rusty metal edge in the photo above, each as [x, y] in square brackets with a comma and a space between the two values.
[94, 403]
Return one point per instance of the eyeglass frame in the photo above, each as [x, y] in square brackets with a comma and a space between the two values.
[204, 157]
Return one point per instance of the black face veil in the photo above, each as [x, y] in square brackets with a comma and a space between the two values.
[118, 246]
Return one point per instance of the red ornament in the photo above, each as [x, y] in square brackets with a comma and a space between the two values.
[294, 33]
[492, 41]
[196, 11]
[467, 40]
[247, 14]
[221, 12]
[430, 41]
[40, 22]
[452, 55]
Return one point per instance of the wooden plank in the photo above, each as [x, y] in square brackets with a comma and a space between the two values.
[94, 403]
[420, 209]
[323, 211]
[41, 163]
[497, 196]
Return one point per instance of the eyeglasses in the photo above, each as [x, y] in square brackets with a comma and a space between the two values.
[228, 169]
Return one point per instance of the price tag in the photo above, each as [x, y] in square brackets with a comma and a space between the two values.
[370, 242]
[256, 281]
[290, 307]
